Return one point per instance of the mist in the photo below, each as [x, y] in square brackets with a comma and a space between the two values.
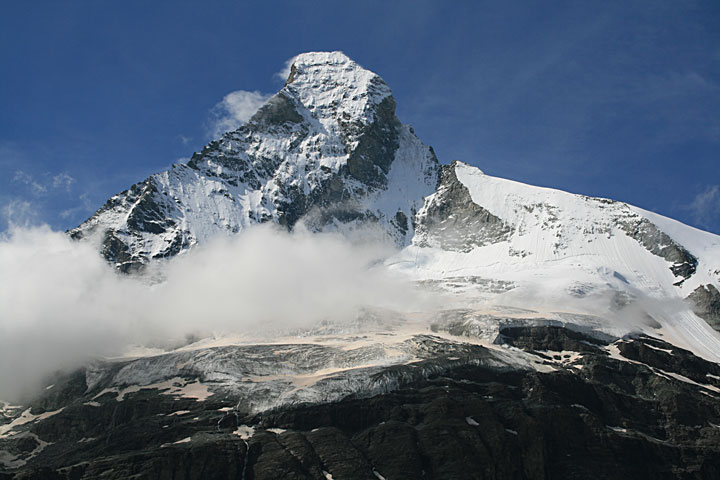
[608, 303]
[62, 305]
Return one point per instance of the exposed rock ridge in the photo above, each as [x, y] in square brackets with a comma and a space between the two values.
[705, 301]
[452, 221]
[657, 242]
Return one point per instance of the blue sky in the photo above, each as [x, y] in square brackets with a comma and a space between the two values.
[612, 99]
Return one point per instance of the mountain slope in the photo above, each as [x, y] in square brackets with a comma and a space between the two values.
[562, 251]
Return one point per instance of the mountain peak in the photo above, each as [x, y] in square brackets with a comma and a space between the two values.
[327, 149]
[335, 89]
[323, 58]
[310, 63]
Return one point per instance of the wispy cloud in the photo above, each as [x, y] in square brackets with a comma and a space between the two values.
[86, 206]
[19, 213]
[705, 207]
[36, 187]
[62, 181]
[235, 109]
[46, 182]
[283, 74]
[262, 282]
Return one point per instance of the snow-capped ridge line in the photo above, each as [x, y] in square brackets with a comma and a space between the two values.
[537, 248]
[514, 202]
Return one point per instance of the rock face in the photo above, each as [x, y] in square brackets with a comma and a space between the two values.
[450, 220]
[592, 408]
[684, 264]
[705, 302]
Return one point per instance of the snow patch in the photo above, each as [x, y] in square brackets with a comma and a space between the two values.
[25, 418]
[245, 432]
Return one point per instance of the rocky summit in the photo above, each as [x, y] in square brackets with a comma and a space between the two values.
[577, 337]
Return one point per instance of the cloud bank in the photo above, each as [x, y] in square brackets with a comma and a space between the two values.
[62, 305]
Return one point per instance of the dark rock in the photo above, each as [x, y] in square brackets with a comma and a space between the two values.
[609, 419]
[279, 110]
[453, 221]
[370, 161]
[705, 301]
[550, 338]
[660, 244]
[667, 357]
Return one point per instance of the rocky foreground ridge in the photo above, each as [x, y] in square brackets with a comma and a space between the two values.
[582, 407]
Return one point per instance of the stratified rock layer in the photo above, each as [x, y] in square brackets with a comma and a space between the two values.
[594, 414]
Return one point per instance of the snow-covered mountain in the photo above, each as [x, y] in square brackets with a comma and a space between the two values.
[326, 149]
[329, 152]
[558, 334]
[553, 250]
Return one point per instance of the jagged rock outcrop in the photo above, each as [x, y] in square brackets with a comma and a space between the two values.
[705, 301]
[684, 264]
[452, 221]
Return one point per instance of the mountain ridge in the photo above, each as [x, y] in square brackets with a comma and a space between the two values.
[328, 151]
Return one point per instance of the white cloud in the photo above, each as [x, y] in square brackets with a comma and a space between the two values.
[40, 186]
[24, 177]
[85, 207]
[285, 72]
[705, 207]
[69, 212]
[19, 213]
[62, 304]
[235, 109]
[62, 180]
